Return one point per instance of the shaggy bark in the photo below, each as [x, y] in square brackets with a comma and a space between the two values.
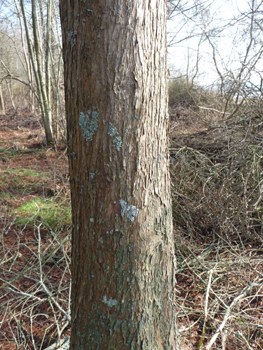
[123, 273]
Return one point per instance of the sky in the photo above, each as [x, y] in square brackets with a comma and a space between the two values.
[182, 57]
[231, 43]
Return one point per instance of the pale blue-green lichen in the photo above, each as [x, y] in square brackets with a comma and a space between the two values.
[92, 175]
[71, 37]
[89, 125]
[130, 210]
[108, 232]
[111, 302]
[91, 220]
[112, 132]
[73, 154]
[117, 142]
[112, 231]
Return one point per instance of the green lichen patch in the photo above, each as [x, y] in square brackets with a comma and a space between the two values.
[111, 302]
[129, 210]
[89, 123]
[72, 37]
[112, 130]
[117, 140]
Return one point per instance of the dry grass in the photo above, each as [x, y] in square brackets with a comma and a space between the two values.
[217, 176]
[35, 238]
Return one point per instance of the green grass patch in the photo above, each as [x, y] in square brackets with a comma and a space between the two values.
[8, 152]
[51, 213]
[5, 195]
[12, 152]
[21, 180]
[22, 172]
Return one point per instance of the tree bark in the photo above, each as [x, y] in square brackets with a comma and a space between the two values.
[35, 53]
[2, 99]
[123, 260]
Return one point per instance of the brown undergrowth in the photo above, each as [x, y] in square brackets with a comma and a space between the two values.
[217, 176]
[216, 187]
[35, 236]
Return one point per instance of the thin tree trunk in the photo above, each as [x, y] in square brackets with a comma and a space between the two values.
[40, 71]
[2, 99]
[48, 50]
[123, 260]
[32, 101]
[9, 88]
[27, 65]
[35, 55]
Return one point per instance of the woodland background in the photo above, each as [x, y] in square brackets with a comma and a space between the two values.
[216, 164]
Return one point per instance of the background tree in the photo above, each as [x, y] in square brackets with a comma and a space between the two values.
[12, 93]
[224, 39]
[216, 149]
[123, 283]
[37, 47]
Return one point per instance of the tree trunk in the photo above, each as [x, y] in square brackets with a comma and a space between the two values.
[2, 99]
[43, 84]
[9, 88]
[123, 261]
[35, 53]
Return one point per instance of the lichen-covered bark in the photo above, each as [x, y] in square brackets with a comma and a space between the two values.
[123, 258]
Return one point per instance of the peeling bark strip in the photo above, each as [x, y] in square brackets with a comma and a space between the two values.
[123, 294]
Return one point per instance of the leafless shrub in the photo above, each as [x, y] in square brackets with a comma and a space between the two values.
[217, 176]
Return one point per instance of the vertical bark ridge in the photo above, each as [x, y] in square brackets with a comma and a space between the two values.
[116, 100]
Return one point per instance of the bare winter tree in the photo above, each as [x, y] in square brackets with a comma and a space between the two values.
[123, 274]
[230, 42]
[10, 61]
[40, 56]
[35, 47]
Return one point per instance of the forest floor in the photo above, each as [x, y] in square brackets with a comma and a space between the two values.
[35, 228]
[220, 287]
[217, 170]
